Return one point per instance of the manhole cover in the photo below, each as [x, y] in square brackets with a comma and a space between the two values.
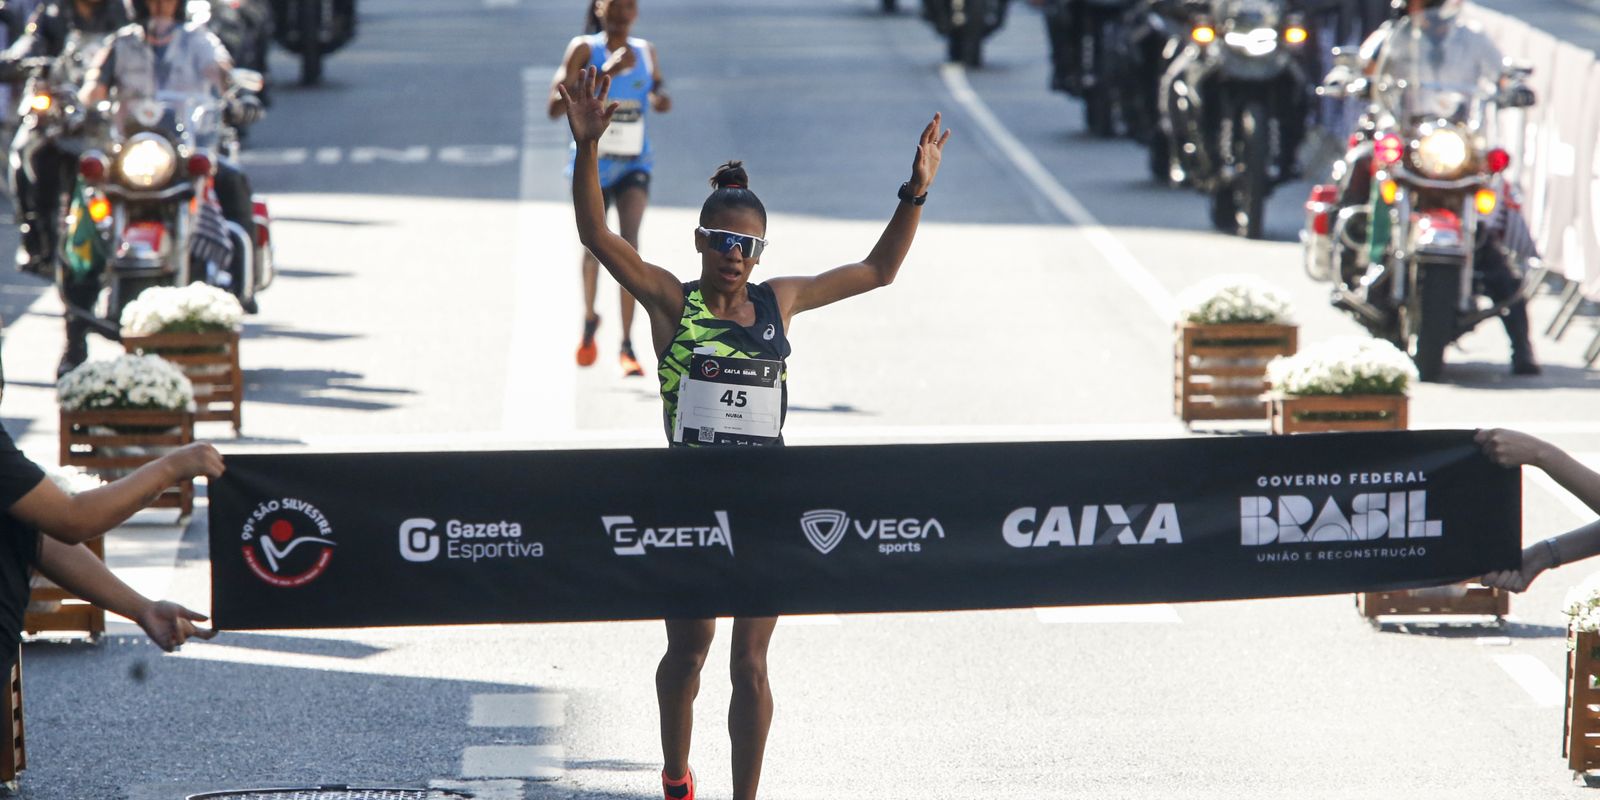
[333, 793]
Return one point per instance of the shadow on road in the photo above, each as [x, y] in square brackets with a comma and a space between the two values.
[321, 388]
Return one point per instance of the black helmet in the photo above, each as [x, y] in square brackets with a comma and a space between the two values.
[141, 11]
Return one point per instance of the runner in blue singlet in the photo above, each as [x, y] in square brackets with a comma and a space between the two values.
[722, 342]
[626, 157]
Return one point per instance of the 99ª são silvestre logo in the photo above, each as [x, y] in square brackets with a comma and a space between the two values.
[287, 542]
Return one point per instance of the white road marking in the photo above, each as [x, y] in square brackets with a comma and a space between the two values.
[1103, 615]
[541, 389]
[1535, 678]
[485, 790]
[457, 155]
[528, 710]
[535, 762]
[1117, 256]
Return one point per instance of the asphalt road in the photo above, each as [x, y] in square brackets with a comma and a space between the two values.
[428, 299]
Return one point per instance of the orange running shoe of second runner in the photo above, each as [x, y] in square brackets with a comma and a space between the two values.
[587, 352]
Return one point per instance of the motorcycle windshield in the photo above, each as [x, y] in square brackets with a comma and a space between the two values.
[1432, 67]
[1249, 15]
[195, 120]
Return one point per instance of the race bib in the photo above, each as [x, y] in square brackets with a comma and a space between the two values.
[730, 401]
[625, 136]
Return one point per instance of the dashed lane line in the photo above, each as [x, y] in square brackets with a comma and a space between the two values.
[534, 762]
[525, 710]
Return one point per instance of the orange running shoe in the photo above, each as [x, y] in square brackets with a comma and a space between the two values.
[630, 365]
[587, 352]
[680, 789]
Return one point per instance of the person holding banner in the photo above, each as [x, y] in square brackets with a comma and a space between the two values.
[1512, 449]
[626, 157]
[722, 344]
[34, 504]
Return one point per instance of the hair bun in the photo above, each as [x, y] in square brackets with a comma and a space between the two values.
[731, 175]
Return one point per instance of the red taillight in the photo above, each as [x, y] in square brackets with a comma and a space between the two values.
[1497, 160]
[1355, 139]
[1322, 224]
[199, 165]
[92, 166]
[263, 223]
[1324, 193]
[1387, 150]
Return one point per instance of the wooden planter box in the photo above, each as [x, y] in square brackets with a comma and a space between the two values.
[1319, 414]
[1580, 724]
[100, 442]
[52, 608]
[210, 361]
[1461, 599]
[1219, 371]
[14, 753]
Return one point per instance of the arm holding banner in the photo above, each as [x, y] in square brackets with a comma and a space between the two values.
[1512, 448]
[81, 517]
[79, 571]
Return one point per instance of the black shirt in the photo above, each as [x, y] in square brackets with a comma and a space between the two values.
[19, 545]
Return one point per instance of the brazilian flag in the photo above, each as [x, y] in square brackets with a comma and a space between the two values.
[1378, 227]
[85, 248]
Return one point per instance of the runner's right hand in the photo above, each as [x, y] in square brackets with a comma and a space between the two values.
[588, 111]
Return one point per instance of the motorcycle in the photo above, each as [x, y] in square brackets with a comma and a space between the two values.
[1156, 30]
[1407, 265]
[148, 199]
[965, 24]
[244, 26]
[312, 29]
[1236, 109]
[1092, 61]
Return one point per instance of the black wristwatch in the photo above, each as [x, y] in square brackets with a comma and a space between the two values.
[907, 197]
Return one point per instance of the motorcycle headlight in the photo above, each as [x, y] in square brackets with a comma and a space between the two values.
[1256, 42]
[1443, 153]
[147, 161]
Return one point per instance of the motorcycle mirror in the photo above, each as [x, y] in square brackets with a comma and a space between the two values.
[248, 79]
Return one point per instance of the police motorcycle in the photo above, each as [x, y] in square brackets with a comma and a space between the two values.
[312, 29]
[965, 24]
[1154, 31]
[1404, 265]
[1235, 111]
[147, 198]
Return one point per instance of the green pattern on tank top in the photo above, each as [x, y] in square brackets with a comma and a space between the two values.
[697, 328]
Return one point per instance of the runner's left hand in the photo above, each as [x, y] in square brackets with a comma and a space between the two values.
[930, 149]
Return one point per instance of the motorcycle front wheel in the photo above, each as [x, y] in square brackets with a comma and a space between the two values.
[310, 19]
[1250, 177]
[1432, 327]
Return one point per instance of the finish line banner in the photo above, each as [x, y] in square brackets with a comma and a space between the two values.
[355, 540]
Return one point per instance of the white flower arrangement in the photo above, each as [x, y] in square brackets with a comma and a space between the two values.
[196, 308]
[73, 480]
[1233, 299]
[130, 381]
[1582, 605]
[1343, 365]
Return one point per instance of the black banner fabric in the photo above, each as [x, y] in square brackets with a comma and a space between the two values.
[305, 541]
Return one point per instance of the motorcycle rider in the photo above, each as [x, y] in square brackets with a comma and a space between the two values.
[1448, 52]
[162, 52]
[38, 197]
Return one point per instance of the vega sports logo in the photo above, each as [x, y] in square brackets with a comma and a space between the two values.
[287, 542]
[825, 528]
